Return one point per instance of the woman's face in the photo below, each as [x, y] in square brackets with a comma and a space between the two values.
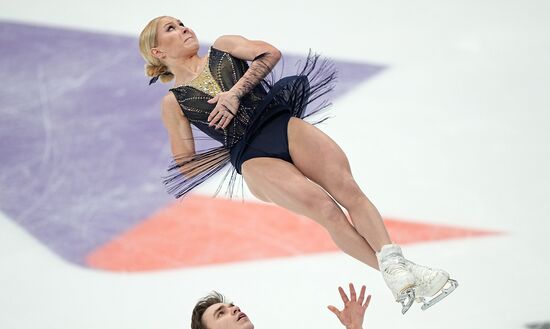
[174, 39]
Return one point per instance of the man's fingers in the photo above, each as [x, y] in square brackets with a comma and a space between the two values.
[333, 310]
[362, 295]
[352, 294]
[367, 302]
[343, 295]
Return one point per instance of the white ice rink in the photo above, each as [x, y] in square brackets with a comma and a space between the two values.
[455, 131]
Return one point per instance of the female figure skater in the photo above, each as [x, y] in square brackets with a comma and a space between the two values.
[283, 159]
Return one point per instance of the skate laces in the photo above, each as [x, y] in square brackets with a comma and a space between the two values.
[423, 273]
[427, 275]
[394, 264]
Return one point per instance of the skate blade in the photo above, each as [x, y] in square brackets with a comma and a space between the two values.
[449, 287]
[406, 298]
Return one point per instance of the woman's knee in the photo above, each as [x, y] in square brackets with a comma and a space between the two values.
[327, 212]
[346, 190]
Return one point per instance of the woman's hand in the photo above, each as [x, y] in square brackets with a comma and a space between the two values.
[225, 110]
[354, 309]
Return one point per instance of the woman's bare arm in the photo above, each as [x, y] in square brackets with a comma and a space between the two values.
[263, 56]
[178, 127]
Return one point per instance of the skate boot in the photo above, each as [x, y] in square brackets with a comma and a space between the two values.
[430, 282]
[399, 279]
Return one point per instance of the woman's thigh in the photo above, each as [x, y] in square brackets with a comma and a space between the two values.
[280, 182]
[320, 159]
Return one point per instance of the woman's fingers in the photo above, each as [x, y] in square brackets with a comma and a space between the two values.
[222, 119]
[216, 115]
[228, 118]
[220, 123]
[223, 112]
[226, 122]
[223, 103]
[230, 108]
[213, 100]
[213, 114]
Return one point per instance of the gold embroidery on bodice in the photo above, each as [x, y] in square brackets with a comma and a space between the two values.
[205, 82]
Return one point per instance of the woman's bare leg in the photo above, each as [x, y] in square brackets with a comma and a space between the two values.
[277, 181]
[320, 159]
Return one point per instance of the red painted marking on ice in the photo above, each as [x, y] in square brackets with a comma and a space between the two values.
[202, 231]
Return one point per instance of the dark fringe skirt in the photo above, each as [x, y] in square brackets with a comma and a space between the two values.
[291, 94]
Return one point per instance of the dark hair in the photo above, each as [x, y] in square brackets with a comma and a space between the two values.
[196, 318]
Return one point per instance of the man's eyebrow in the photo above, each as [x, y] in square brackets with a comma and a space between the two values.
[218, 309]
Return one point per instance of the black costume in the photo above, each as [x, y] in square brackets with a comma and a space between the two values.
[259, 128]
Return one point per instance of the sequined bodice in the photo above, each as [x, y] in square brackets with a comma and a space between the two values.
[205, 82]
[257, 108]
[220, 73]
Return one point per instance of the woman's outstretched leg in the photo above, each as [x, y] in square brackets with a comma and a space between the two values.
[277, 181]
[320, 159]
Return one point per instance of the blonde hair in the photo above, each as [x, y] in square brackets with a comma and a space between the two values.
[147, 41]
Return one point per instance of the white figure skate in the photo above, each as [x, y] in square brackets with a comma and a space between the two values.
[430, 282]
[397, 275]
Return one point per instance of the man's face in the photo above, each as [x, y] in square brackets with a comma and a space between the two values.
[225, 316]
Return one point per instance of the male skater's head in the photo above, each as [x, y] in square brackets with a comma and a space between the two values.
[212, 312]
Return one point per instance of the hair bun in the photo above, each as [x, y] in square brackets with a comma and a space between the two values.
[160, 71]
[152, 70]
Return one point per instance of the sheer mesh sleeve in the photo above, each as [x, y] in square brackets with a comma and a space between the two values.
[266, 96]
